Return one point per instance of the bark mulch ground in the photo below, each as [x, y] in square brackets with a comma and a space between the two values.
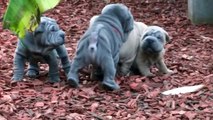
[189, 54]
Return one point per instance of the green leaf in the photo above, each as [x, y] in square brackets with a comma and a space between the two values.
[24, 15]
[45, 5]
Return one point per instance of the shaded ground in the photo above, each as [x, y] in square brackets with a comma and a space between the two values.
[189, 55]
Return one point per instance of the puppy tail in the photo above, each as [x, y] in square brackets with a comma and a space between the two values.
[93, 41]
[92, 48]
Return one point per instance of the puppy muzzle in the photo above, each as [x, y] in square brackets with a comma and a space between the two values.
[61, 38]
[51, 41]
[151, 45]
[56, 39]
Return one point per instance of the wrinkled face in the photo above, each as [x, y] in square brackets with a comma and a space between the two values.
[122, 13]
[153, 40]
[48, 36]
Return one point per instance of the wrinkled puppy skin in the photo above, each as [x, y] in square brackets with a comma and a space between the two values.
[43, 45]
[129, 49]
[151, 51]
[101, 43]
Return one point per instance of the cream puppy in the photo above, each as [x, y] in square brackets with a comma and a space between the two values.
[129, 49]
[151, 51]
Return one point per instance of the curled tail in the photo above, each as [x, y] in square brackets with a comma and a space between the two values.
[93, 41]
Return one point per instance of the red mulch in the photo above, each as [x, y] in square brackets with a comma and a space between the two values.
[189, 55]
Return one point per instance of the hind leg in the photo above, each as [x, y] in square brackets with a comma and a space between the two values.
[77, 64]
[109, 70]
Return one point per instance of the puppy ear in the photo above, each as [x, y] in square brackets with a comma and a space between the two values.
[129, 22]
[166, 34]
[144, 34]
[167, 37]
[38, 30]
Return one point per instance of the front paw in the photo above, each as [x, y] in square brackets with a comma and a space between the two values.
[32, 73]
[169, 72]
[149, 74]
[73, 80]
[110, 84]
[124, 73]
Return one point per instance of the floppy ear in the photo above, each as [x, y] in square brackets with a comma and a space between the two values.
[129, 22]
[38, 30]
[167, 36]
[144, 34]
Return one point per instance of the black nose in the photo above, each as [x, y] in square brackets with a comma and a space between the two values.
[150, 40]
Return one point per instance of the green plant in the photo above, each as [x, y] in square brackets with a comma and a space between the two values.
[24, 15]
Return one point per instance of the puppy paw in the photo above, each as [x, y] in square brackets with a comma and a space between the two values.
[167, 72]
[124, 73]
[170, 72]
[128, 74]
[32, 73]
[149, 75]
[73, 80]
[110, 85]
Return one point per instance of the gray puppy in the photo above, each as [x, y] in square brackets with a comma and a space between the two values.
[101, 43]
[151, 51]
[43, 45]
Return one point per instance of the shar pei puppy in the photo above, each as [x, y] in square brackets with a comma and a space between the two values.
[100, 45]
[129, 49]
[151, 51]
[44, 45]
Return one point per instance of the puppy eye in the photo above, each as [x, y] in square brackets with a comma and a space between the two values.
[52, 28]
[159, 37]
[145, 36]
[38, 31]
